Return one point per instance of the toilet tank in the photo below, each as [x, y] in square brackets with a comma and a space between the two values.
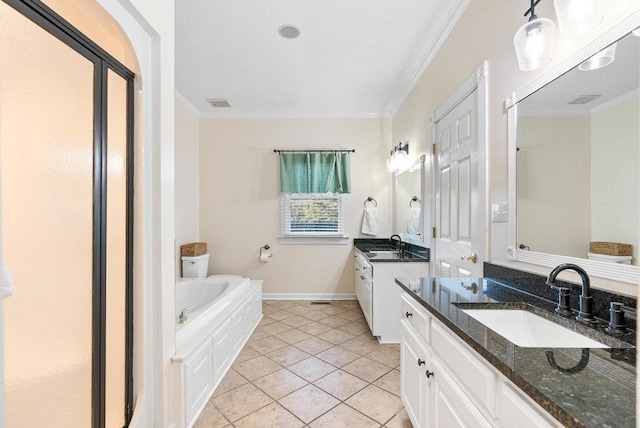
[195, 267]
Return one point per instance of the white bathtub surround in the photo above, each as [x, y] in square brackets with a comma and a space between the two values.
[221, 313]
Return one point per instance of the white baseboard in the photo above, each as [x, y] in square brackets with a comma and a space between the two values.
[308, 296]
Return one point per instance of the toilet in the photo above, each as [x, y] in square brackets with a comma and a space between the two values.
[197, 266]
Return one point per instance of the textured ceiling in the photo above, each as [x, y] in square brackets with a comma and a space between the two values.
[355, 58]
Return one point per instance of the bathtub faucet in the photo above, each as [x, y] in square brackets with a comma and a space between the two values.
[183, 315]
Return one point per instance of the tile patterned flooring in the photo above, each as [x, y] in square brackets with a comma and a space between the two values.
[311, 366]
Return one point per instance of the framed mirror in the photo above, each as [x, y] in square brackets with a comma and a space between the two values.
[574, 155]
[409, 209]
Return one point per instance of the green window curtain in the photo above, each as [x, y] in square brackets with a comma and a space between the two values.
[315, 172]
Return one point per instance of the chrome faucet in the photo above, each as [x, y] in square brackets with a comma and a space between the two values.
[182, 318]
[585, 314]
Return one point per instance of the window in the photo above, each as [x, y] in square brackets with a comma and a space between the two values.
[319, 217]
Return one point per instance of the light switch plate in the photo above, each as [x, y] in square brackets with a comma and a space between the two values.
[499, 212]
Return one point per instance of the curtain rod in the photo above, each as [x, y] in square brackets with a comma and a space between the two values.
[314, 151]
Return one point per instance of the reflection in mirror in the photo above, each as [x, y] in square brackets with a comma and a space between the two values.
[409, 210]
[577, 162]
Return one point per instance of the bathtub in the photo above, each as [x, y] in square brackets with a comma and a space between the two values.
[210, 298]
[226, 310]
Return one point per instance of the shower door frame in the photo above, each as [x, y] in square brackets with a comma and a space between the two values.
[54, 24]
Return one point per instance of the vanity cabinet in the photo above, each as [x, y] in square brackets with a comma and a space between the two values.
[446, 383]
[379, 296]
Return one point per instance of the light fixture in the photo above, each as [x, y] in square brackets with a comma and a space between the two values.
[636, 32]
[398, 157]
[576, 16]
[603, 58]
[534, 41]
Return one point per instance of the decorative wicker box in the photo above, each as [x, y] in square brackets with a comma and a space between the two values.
[611, 248]
[193, 249]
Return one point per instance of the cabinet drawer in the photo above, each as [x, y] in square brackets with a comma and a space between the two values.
[363, 267]
[414, 315]
[472, 374]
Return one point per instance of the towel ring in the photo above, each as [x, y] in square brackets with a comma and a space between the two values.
[415, 199]
[370, 199]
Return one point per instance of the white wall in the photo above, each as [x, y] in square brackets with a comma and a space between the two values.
[615, 174]
[187, 182]
[553, 158]
[485, 32]
[240, 198]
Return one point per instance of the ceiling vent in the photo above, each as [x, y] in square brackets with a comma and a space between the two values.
[583, 99]
[218, 103]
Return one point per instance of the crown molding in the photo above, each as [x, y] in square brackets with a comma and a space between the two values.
[289, 115]
[185, 102]
[617, 100]
[443, 32]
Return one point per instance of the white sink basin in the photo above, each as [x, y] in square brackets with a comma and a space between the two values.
[529, 330]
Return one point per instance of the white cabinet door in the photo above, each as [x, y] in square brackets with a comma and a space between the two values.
[452, 407]
[414, 385]
[364, 288]
[198, 380]
[519, 410]
[367, 301]
[222, 351]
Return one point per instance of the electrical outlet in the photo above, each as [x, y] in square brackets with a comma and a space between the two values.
[499, 212]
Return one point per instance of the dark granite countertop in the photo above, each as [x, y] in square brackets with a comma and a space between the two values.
[601, 394]
[370, 248]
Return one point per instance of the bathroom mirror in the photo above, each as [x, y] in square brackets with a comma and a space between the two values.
[408, 202]
[574, 160]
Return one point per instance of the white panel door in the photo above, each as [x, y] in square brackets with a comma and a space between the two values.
[458, 220]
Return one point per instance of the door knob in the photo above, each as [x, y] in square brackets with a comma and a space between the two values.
[429, 374]
[420, 362]
[408, 314]
[473, 257]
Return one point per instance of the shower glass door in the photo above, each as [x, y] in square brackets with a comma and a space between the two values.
[46, 137]
[65, 181]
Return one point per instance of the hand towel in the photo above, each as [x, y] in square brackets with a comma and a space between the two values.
[413, 223]
[370, 220]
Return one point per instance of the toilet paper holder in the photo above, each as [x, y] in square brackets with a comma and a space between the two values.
[264, 255]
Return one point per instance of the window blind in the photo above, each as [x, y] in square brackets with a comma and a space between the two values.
[312, 214]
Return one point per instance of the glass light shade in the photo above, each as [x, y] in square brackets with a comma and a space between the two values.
[576, 16]
[601, 59]
[390, 166]
[636, 32]
[534, 43]
[401, 159]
